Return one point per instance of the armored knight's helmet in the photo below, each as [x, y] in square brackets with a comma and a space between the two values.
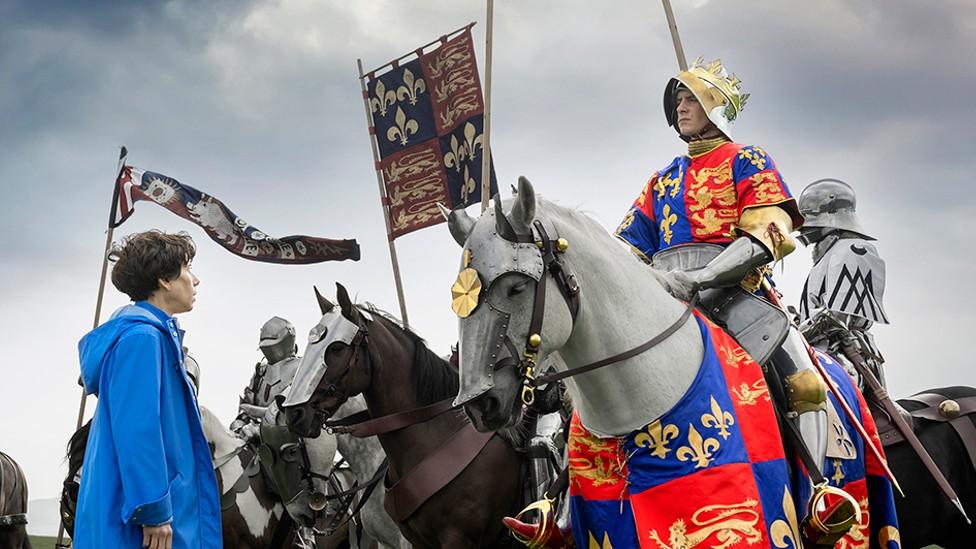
[718, 93]
[277, 340]
[828, 205]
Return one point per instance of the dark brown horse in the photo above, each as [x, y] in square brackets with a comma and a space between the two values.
[925, 515]
[13, 505]
[396, 372]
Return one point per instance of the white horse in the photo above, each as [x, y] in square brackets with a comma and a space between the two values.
[666, 412]
[621, 304]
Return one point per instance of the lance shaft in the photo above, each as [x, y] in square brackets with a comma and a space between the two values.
[486, 148]
[679, 52]
[384, 200]
[881, 394]
[868, 441]
[98, 310]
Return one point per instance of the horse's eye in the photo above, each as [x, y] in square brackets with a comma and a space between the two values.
[517, 289]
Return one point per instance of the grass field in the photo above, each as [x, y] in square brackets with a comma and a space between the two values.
[42, 542]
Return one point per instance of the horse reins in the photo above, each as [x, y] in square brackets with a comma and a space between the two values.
[553, 264]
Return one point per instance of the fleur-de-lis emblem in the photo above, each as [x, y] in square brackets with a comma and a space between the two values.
[838, 472]
[457, 154]
[719, 418]
[657, 437]
[382, 99]
[786, 533]
[468, 186]
[404, 127]
[699, 449]
[666, 223]
[413, 88]
[605, 544]
[666, 183]
[471, 141]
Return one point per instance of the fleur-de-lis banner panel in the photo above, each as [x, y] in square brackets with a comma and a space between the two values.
[429, 119]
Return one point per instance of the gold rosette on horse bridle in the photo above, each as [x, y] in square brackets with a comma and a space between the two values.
[465, 292]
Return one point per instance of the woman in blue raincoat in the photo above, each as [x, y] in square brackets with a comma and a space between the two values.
[147, 479]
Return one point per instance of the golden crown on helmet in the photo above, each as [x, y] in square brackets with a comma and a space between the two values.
[715, 89]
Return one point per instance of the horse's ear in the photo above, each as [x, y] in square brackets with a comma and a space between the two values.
[348, 309]
[523, 212]
[324, 304]
[458, 222]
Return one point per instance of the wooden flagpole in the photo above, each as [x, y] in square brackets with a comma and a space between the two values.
[678, 50]
[123, 152]
[486, 146]
[384, 200]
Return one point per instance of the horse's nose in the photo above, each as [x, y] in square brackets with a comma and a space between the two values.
[295, 417]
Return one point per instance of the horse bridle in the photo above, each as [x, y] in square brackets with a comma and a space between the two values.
[358, 341]
[552, 263]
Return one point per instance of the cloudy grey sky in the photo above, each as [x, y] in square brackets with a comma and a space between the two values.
[257, 103]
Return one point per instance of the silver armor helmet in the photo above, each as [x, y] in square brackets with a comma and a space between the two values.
[828, 205]
[277, 340]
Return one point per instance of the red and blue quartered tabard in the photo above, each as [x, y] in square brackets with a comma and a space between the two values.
[862, 477]
[428, 117]
[710, 472]
[701, 198]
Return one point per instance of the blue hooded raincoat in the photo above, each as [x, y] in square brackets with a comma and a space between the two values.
[147, 461]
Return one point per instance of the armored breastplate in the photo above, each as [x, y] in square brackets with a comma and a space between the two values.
[276, 378]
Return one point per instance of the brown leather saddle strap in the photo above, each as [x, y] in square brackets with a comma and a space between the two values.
[962, 424]
[390, 422]
[435, 472]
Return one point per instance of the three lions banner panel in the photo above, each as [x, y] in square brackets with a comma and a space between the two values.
[428, 117]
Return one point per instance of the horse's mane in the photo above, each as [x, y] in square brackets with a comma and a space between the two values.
[590, 222]
[434, 378]
[76, 449]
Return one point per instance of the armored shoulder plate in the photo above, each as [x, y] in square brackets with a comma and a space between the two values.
[849, 279]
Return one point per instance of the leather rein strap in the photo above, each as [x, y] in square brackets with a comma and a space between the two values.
[568, 286]
[361, 425]
[674, 327]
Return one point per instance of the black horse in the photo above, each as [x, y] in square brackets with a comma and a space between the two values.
[396, 372]
[925, 515]
[13, 505]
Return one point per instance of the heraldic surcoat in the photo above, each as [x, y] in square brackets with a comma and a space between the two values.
[711, 470]
[701, 198]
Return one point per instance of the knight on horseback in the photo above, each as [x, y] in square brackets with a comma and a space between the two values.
[714, 220]
[271, 376]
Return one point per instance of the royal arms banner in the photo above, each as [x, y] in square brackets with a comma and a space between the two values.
[428, 121]
[221, 224]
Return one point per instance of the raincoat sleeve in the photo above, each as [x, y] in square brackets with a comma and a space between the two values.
[638, 227]
[134, 389]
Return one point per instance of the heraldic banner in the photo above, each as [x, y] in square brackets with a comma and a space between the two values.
[428, 117]
[221, 224]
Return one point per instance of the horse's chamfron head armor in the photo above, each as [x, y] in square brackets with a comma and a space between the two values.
[718, 93]
[503, 267]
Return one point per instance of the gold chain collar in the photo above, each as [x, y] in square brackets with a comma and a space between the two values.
[703, 146]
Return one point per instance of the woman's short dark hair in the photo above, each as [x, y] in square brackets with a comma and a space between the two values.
[144, 258]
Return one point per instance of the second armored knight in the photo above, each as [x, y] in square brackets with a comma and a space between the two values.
[271, 376]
